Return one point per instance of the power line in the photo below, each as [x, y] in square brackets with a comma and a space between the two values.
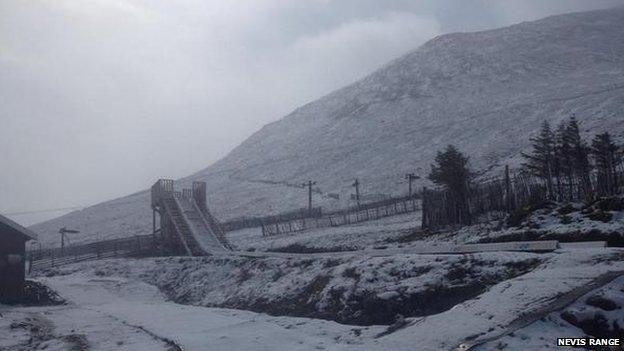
[18, 213]
[57, 209]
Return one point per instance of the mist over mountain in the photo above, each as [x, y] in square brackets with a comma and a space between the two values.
[485, 92]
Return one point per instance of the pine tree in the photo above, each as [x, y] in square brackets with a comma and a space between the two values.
[579, 152]
[541, 161]
[563, 162]
[452, 172]
[604, 154]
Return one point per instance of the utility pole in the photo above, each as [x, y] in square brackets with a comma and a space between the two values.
[64, 231]
[410, 178]
[356, 184]
[309, 185]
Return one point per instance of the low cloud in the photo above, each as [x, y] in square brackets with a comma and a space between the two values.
[98, 98]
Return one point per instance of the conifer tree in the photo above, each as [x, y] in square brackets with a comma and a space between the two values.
[541, 161]
[604, 154]
[579, 152]
[563, 168]
[452, 172]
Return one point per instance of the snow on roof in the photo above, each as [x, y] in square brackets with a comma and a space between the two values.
[18, 228]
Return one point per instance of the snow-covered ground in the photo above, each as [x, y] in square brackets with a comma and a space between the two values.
[120, 314]
[364, 235]
[76, 326]
[601, 220]
[115, 296]
[337, 300]
[598, 312]
[353, 289]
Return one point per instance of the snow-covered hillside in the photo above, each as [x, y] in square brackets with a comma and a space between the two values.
[486, 92]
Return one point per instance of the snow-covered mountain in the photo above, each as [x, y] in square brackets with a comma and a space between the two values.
[486, 92]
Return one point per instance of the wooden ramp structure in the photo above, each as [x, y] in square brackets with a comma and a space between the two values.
[186, 225]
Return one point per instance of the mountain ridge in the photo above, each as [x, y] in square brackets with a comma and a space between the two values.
[486, 92]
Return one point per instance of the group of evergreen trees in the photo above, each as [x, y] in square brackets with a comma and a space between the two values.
[566, 162]
[568, 168]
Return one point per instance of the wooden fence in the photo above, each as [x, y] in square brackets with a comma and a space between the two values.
[254, 222]
[502, 196]
[356, 214]
[143, 245]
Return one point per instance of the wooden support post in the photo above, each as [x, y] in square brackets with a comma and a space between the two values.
[309, 185]
[356, 184]
[410, 178]
[424, 224]
[508, 190]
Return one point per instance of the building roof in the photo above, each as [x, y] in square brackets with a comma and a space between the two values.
[16, 228]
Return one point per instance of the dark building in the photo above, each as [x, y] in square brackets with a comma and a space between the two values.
[13, 239]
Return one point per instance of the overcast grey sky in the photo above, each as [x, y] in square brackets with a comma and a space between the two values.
[99, 98]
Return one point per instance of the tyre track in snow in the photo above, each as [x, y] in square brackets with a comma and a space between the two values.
[171, 345]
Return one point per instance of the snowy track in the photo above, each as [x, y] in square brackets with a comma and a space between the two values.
[142, 309]
[530, 246]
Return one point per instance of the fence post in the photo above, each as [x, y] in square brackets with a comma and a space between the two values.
[423, 218]
[508, 189]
